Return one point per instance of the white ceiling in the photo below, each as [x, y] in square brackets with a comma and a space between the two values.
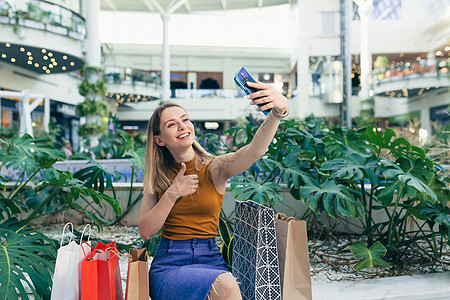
[189, 6]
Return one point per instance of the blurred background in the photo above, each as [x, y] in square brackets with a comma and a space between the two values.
[86, 66]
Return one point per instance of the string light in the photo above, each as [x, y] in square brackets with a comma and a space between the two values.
[13, 59]
[64, 57]
[72, 63]
[36, 65]
[3, 55]
[22, 49]
[43, 50]
[63, 68]
[8, 45]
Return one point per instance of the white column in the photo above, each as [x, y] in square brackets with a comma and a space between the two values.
[25, 120]
[365, 12]
[303, 73]
[46, 114]
[165, 68]
[93, 47]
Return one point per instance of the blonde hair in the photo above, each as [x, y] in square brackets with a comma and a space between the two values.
[159, 160]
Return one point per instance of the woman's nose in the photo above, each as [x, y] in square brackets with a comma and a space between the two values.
[181, 125]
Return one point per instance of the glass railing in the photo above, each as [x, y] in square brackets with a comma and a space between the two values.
[42, 15]
[411, 70]
[207, 93]
[119, 75]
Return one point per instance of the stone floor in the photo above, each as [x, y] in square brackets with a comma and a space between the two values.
[426, 287]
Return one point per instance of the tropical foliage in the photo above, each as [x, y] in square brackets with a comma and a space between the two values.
[352, 174]
[38, 189]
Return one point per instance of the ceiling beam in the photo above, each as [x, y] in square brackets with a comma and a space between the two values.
[224, 4]
[149, 6]
[187, 6]
[110, 4]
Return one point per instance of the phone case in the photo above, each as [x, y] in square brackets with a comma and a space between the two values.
[241, 79]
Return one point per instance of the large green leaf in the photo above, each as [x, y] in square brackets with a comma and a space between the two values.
[24, 254]
[353, 167]
[399, 147]
[405, 175]
[97, 177]
[372, 257]
[263, 193]
[71, 188]
[29, 155]
[437, 213]
[331, 197]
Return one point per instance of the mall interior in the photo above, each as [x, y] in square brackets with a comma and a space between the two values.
[341, 57]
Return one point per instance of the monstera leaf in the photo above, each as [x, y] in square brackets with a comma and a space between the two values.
[331, 197]
[25, 259]
[29, 155]
[353, 166]
[372, 257]
[406, 176]
[263, 193]
[97, 177]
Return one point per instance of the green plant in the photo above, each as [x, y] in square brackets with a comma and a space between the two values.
[39, 190]
[92, 108]
[370, 257]
[90, 129]
[226, 234]
[356, 174]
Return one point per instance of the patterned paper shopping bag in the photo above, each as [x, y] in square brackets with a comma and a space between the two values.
[255, 257]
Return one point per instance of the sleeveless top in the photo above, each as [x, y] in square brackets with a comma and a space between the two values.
[196, 215]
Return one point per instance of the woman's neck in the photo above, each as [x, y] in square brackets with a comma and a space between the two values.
[184, 156]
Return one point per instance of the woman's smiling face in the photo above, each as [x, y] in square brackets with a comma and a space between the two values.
[176, 130]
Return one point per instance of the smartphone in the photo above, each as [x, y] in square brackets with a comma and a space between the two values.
[241, 78]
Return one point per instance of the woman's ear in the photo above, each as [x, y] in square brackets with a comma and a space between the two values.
[158, 141]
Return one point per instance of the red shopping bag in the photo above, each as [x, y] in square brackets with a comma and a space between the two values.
[100, 274]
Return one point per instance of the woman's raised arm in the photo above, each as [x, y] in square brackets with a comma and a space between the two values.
[231, 164]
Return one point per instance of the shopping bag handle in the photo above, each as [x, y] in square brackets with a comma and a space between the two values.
[64, 229]
[283, 217]
[82, 234]
[82, 248]
[117, 253]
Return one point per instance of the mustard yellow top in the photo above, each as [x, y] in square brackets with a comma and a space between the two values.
[196, 215]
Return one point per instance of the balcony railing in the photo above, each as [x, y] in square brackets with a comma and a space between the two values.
[120, 75]
[42, 15]
[411, 70]
[213, 93]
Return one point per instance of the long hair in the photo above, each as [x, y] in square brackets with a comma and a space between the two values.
[159, 160]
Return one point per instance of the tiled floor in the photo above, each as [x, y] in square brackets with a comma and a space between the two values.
[429, 287]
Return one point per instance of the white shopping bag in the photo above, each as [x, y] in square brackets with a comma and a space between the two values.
[67, 276]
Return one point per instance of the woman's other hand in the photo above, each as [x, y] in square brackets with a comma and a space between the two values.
[269, 97]
[183, 185]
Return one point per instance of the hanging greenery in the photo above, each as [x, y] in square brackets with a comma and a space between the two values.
[92, 108]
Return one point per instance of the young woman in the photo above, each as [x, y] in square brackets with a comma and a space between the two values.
[183, 193]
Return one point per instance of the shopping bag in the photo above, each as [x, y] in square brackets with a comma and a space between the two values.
[255, 257]
[293, 257]
[137, 275]
[66, 278]
[100, 274]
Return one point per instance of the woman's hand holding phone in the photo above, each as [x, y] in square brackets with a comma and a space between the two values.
[268, 97]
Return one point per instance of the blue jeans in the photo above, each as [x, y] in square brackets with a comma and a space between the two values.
[185, 269]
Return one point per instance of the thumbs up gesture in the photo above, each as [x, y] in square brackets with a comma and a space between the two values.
[184, 185]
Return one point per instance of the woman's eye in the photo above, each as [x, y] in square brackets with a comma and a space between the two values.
[171, 124]
[186, 120]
